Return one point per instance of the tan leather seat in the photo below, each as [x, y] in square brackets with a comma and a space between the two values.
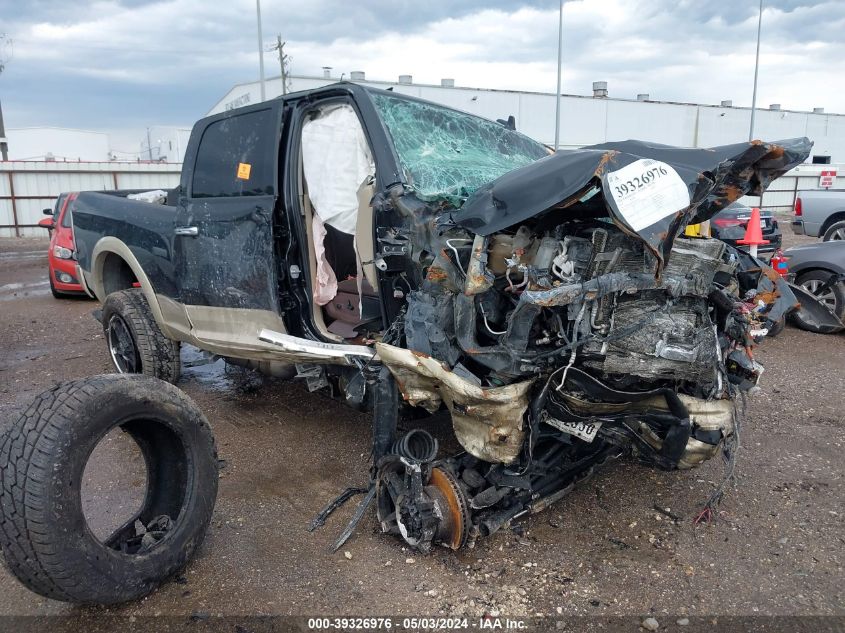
[349, 312]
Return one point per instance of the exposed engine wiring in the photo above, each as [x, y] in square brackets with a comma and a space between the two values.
[574, 347]
[455, 250]
[487, 325]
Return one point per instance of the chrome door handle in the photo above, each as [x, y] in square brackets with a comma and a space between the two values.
[187, 230]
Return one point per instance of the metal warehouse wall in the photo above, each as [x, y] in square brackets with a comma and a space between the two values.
[28, 187]
[589, 120]
[35, 143]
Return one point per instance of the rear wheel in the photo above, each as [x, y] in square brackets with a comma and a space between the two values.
[48, 539]
[833, 296]
[136, 344]
[835, 231]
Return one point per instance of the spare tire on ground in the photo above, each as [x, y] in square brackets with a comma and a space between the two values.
[45, 537]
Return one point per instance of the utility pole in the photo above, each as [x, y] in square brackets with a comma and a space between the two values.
[260, 48]
[149, 145]
[756, 69]
[4, 145]
[284, 62]
[559, 73]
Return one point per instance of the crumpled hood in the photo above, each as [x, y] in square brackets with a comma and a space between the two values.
[650, 190]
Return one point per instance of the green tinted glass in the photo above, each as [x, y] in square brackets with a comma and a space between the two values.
[447, 154]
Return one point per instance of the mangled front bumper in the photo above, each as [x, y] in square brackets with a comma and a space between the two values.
[488, 422]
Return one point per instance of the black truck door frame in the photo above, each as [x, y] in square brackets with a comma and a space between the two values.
[388, 172]
[223, 235]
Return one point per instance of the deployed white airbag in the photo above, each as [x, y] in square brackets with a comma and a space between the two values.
[336, 159]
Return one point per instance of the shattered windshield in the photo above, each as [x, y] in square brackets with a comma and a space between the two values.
[447, 154]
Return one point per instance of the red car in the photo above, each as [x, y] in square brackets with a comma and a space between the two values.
[63, 281]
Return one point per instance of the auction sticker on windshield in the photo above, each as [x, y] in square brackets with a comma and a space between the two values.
[646, 191]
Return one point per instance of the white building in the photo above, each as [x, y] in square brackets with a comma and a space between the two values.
[55, 143]
[587, 120]
[165, 144]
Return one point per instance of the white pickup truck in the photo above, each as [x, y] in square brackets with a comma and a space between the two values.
[820, 214]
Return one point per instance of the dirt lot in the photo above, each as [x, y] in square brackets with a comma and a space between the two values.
[778, 547]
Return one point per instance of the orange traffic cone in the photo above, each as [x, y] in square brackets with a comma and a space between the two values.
[753, 233]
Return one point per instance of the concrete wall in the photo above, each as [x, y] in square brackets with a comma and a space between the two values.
[26, 188]
[36, 143]
[587, 121]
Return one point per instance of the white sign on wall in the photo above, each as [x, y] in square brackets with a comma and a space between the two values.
[827, 178]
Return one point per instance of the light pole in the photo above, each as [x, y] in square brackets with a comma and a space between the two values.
[260, 47]
[756, 69]
[559, 73]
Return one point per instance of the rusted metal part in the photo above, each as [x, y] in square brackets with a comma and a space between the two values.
[606, 158]
[455, 523]
[479, 279]
[590, 290]
[488, 421]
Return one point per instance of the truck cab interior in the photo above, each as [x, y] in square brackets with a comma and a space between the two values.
[336, 174]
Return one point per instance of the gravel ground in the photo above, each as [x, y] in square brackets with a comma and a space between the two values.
[777, 548]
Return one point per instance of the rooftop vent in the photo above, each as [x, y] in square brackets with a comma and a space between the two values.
[406, 79]
[774, 106]
[357, 75]
[600, 89]
[727, 103]
[643, 96]
[818, 110]
[327, 72]
[447, 83]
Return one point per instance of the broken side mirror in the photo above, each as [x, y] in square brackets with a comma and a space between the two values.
[47, 223]
[47, 212]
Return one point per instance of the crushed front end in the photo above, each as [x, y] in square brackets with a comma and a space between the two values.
[552, 306]
[564, 321]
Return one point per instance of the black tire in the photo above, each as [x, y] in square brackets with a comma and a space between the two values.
[57, 294]
[46, 541]
[835, 231]
[136, 344]
[834, 298]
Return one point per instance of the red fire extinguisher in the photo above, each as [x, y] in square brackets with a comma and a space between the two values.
[780, 263]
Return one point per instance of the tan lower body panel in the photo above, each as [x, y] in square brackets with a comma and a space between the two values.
[257, 335]
[710, 415]
[488, 421]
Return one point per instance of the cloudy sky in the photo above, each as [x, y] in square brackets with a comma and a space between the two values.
[121, 65]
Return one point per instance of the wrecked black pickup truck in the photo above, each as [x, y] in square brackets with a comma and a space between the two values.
[416, 260]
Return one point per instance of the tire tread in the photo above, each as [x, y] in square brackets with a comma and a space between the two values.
[33, 549]
[159, 354]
